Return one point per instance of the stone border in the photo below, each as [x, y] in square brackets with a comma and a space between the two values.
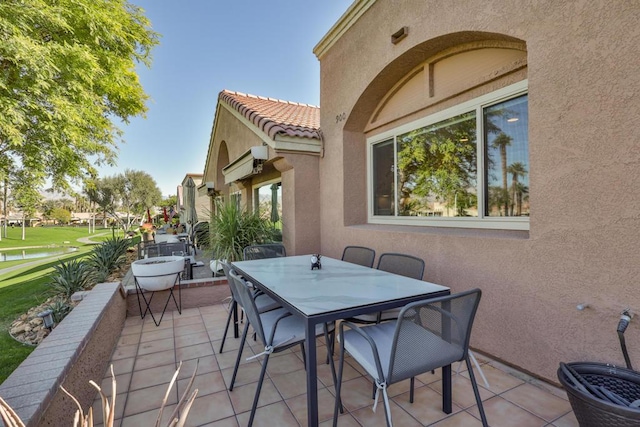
[76, 351]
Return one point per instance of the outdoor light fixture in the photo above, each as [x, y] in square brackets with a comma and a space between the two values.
[211, 189]
[47, 318]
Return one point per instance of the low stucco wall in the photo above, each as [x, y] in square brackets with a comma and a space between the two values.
[76, 351]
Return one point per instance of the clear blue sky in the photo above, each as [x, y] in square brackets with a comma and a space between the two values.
[262, 47]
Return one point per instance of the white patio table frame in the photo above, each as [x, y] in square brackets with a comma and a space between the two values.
[337, 291]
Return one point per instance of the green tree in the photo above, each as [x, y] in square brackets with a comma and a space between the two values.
[516, 170]
[501, 142]
[137, 191]
[67, 74]
[61, 215]
[102, 192]
[26, 195]
[169, 201]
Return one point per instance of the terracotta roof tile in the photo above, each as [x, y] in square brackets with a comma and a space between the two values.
[275, 116]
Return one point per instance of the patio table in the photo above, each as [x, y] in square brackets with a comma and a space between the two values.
[336, 291]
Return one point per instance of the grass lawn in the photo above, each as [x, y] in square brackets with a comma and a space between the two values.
[27, 287]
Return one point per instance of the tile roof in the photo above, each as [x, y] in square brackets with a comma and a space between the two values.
[275, 116]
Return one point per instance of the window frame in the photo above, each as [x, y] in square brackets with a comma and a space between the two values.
[481, 221]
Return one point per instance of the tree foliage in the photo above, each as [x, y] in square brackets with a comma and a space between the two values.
[61, 215]
[67, 71]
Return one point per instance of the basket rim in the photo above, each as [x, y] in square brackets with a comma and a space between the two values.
[628, 375]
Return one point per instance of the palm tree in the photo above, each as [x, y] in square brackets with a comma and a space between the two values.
[501, 142]
[516, 170]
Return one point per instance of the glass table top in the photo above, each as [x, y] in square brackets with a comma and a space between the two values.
[336, 286]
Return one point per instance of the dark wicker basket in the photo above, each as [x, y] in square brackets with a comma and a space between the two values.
[593, 412]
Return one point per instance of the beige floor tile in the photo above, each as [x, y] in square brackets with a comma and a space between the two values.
[324, 374]
[205, 365]
[123, 366]
[344, 420]
[209, 383]
[124, 351]
[428, 377]
[242, 396]
[427, 406]
[216, 332]
[462, 391]
[189, 329]
[540, 403]
[129, 339]
[460, 419]
[210, 408]
[228, 358]
[247, 373]
[155, 346]
[194, 351]
[213, 309]
[159, 334]
[187, 320]
[151, 360]
[190, 312]
[227, 422]
[276, 414]
[298, 406]
[292, 384]
[132, 323]
[148, 399]
[399, 417]
[167, 323]
[501, 412]
[283, 364]
[356, 394]
[191, 339]
[147, 418]
[231, 344]
[153, 376]
[499, 381]
[122, 383]
[568, 420]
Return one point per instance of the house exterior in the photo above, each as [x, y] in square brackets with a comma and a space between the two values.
[262, 145]
[495, 140]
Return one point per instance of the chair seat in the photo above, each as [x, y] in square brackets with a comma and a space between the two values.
[265, 303]
[391, 314]
[290, 329]
[383, 333]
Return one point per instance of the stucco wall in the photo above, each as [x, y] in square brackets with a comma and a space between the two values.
[584, 155]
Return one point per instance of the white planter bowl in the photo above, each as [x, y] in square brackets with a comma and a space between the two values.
[159, 273]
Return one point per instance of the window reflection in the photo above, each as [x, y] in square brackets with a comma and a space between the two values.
[507, 158]
[383, 194]
[437, 169]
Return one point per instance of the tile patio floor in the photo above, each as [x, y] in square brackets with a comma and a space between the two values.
[146, 357]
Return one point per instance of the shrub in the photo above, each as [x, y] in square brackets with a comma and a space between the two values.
[70, 277]
[232, 228]
[108, 257]
[60, 309]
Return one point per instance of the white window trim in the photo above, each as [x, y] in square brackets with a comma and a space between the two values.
[486, 222]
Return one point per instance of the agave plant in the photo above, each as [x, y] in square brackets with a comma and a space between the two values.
[60, 309]
[70, 277]
[232, 228]
[108, 257]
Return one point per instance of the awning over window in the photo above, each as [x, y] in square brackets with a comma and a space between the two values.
[248, 164]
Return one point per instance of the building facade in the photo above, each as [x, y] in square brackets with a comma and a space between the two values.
[494, 140]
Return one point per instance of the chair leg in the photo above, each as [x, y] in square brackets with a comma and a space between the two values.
[411, 391]
[235, 368]
[338, 386]
[329, 353]
[226, 328]
[476, 392]
[387, 408]
[258, 389]
[304, 355]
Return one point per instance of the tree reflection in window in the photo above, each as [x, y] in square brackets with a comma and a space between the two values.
[507, 158]
[437, 169]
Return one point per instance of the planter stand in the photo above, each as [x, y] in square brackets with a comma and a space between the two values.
[140, 291]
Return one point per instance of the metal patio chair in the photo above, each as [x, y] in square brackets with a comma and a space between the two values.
[427, 335]
[359, 255]
[263, 302]
[278, 330]
[270, 250]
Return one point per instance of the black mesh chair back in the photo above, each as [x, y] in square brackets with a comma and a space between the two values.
[168, 249]
[248, 303]
[359, 255]
[428, 334]
[432, 334]
[270, 250]
[402, 264]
